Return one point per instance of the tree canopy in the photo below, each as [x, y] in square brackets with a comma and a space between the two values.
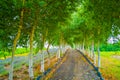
[58, 22]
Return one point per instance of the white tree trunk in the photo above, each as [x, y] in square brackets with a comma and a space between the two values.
[49, 61]
[83, 49]
[42, 63]
[31, 66]
[65, 48]
[88, 51]
[93, 50]
[11, 70]
[59, 52]
[91, 55]
[61, 48]
[99, 65]
[15, 43]
[79, 47]
[94, 58]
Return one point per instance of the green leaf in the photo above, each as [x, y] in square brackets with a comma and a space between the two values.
[42, 3]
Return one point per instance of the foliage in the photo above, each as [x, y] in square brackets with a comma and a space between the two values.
[109, 47]
[57, 22]
[93, 21]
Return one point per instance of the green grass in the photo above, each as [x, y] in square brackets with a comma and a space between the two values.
[110, 66]
[21, 50]
[18, 52]
[109, 54]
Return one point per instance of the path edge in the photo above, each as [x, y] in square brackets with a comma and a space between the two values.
[95, 68]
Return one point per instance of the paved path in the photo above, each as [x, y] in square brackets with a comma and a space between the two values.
[75, 68]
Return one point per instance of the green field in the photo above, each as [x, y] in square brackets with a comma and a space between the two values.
[18, 52]
[110, 65]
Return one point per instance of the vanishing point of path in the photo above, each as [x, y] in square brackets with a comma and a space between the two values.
[75, 68]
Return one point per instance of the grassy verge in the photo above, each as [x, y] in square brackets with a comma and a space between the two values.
[110, 65]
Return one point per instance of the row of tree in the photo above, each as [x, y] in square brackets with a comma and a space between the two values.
[84, 23]
[92, 24]
[32, 22]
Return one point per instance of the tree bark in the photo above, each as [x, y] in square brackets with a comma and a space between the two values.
[15, 43]
[89, 51]
[48, 54]
[42, 69]
[83, 48]
[58, 53]
[42, 62]
[80, 47]
[99, 63]
[13, 52]
[94, 57]
[30, 54]
[91, 54]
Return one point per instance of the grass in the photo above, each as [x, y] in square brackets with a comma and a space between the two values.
[18, 52]
[8, 56]
[110, 65]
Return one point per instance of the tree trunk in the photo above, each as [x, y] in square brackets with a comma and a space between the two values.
[58, 53]
[42, 62]
[13, 52]
[48, 54]
[62, 49]
[30, 54]
[15, 43]
[88, 51]
[42, 55]
[83, 48]
[94, 58]
[80, 47]
[99, 55]
[91, 54]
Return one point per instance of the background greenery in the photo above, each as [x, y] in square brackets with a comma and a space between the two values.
[109, 47]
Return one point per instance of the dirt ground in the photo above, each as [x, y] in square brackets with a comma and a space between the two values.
[22, 73]
[75, 68]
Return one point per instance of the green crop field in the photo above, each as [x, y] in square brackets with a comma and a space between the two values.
[110, 65]
[18, 52]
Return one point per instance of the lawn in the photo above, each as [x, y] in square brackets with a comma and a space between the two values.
[110, 65]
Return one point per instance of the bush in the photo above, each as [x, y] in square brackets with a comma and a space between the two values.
[109, 47]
